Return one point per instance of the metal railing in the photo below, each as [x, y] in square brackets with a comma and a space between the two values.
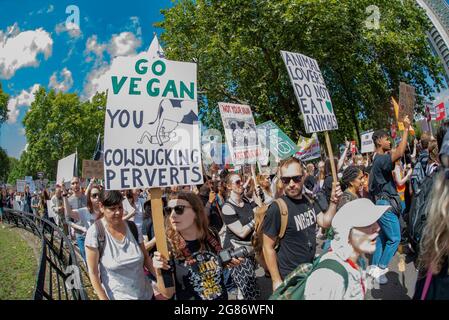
[59, 275]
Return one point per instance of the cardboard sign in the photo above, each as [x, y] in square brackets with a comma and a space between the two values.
[310, 89]
[92, 169]
[280, 145]
[66, 168]
[367, 142]
[151, 136]
[21, 185]
[406, 101]
[241, 133]
[309, 148]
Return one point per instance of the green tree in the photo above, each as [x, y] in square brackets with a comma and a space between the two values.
[57, 125]
[4, 165]
[3, 105]
[237, 47]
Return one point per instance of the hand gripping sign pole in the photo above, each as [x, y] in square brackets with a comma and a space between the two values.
[159, 231]
[312, 96]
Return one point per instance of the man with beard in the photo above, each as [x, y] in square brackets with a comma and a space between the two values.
[298, 245]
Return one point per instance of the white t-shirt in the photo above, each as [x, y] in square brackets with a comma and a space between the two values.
[121, 266]
[86, 219]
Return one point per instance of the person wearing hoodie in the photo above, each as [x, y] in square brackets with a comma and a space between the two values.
[356, 230]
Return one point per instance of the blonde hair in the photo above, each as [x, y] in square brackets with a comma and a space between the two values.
[434, 245]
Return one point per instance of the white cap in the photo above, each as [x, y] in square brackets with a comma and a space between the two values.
[358, 213]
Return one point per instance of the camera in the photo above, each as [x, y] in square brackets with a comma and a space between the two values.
[226, 255]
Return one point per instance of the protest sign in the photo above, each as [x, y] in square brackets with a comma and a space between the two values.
[52, 213]
[66, 168]
[446, 108]
[211, 146]
[270, 135]
[309, 148]
[40, 175]
[20, 184]
[440, 112]
[92, 169]
[367, 142]
[406, 101]
[313, 97]
[151, 136]
[311, 92]
[241, 133]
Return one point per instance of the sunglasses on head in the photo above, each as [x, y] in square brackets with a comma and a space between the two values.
[179, 209]
[296, 179]
[238, 182]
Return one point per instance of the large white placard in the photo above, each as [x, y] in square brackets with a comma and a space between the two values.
[21, 185]
[66, 168]
[241, 133]
[310, 89]
[151, 136]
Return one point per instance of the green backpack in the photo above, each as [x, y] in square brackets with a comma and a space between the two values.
[294, 285]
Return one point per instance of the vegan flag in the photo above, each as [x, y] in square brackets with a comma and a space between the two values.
[309, 148]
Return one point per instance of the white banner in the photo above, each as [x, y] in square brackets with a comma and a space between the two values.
[151, 136]
[241, 133]
[52, 213]
[311, 92]
[66, 168]
[367, 142]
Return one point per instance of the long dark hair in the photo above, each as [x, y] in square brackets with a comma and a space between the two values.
[89, 202]
[201, 221]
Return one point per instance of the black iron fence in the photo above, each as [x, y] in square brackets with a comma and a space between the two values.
[59, 275]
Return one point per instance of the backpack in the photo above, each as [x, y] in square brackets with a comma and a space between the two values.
[418, 211]
[259, 217]
[101, 234]
[419, 173]
[294, 285]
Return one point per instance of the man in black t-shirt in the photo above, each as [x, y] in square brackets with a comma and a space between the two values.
[299, 242]
[383, 191]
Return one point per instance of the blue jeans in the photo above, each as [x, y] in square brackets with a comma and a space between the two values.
[389, 238]
[80, 241]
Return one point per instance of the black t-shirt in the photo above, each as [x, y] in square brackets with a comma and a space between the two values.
[381, 177]
[202, 280]
[148, 230]
[244, 214]
[310, 182]
[299, 243]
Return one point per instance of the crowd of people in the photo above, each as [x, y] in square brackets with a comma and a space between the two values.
[220, 232]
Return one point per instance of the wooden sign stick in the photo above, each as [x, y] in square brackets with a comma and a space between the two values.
[159, 232]
[331, 156]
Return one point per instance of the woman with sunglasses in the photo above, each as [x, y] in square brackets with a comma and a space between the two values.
[238, 216]
[83, 217]
[116, 255]
[197, 269]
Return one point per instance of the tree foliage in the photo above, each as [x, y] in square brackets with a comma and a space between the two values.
[237, 47]
[4, 165]
[57, 125]
[3, 105]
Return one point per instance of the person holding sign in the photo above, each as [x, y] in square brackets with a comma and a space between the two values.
[116, 254]
[198, 262]
[383, 190]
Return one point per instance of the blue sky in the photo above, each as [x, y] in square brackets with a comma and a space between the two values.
[41, 49]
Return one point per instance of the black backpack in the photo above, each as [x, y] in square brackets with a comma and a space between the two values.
[418, 211]
[101, 235]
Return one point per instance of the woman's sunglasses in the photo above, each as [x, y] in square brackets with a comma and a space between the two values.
[179, 209]
[296, 179]
[94, 195]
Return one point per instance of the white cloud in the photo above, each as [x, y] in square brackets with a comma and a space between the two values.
[120, 45]
[123, 44]
[22, 131]
[66, 83]
[24, 99]
[136, 25]
[20, 49]
[51, 8]
[92, 45]
[71, 28]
